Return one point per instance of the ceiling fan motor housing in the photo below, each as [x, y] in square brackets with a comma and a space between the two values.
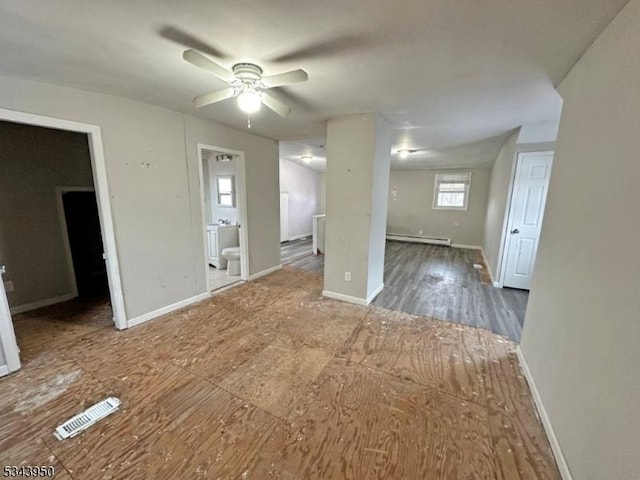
[247, 71]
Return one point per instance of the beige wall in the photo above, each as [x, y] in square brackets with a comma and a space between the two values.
[263, 198]
[154, 187]
[354, 207]
[582, 330]
[322, 193]
[379, 207]
[33, 161]
[499, 190]
[411, 202]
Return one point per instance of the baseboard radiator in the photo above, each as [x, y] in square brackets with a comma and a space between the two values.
[413, 239]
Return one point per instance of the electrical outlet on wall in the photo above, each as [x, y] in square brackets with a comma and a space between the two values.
[8, 286]
[347, 276]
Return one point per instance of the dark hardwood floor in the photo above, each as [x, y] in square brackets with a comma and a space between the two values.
[298, 254]
[435, 281]
[269, 380]
[440, 282]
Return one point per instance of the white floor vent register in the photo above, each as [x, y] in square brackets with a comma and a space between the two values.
[91, 415]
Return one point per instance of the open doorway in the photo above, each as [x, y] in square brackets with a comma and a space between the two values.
[60, 274]
[80, 224]
[223, 199]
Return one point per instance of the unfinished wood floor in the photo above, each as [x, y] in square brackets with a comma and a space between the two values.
[268, 380]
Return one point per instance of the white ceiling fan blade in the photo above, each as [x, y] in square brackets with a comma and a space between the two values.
[276, 105]
[196, 58]
[213, 97]
[294, 76]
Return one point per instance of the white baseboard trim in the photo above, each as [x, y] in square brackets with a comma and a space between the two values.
[344, 298]
[469, 247]
[298, 237]
[445, 242]
[375, 293]
[546, 422]
[168, 309]
[265, 272]
[498, 284]
[4, 370]
[27, 307]
[486, 263]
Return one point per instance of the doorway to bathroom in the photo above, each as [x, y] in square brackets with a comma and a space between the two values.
[223, 199]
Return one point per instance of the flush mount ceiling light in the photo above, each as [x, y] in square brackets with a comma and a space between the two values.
[306, 158]
[405, 152]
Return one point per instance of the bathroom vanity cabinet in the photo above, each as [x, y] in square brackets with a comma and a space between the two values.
[220, 237]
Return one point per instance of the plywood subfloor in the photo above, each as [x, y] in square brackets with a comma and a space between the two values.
[268, 380]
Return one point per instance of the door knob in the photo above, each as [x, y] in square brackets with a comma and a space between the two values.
[514, 231]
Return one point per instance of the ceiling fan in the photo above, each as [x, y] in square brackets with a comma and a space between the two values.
[246, 83]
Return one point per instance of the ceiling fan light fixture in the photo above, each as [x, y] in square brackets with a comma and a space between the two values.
[249, 100]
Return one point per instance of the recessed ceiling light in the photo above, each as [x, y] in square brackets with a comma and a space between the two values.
[306, 158]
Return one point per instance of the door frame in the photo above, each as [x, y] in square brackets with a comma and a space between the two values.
[101, 186]
[286, 218]
[7, 335]
[508, 220]
[241, 205]
[60, 191]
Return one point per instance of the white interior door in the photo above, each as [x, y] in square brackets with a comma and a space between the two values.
[284, 216]
[525, 217]
[9, 357]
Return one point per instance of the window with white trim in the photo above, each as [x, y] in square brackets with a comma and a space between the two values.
[451, 191]
[226, 192]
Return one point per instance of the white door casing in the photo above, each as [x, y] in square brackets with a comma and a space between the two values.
[529, 197]
[101, 185]
[9, 353]
[241, 205]
[284, 216]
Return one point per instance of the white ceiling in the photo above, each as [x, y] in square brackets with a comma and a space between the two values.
[451, 77]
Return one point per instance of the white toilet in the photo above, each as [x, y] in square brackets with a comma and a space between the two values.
[232, 255]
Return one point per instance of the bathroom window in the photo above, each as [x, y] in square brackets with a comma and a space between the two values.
[226, 191]
[451, 191]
